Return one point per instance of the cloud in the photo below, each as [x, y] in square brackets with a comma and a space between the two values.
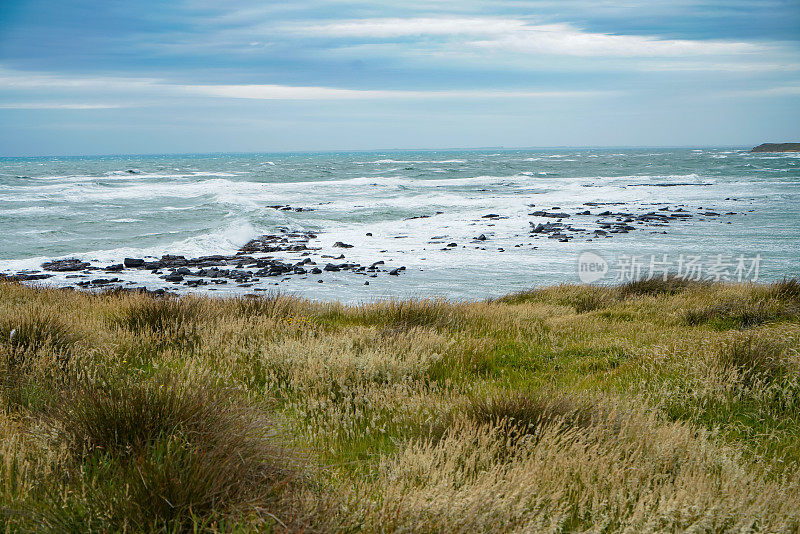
[783, 90]
[563, 39]
[284, 92]
[22, 79]
[150, 88]
[48, 105]
[520, 36]
[725, 66]
[393, 28]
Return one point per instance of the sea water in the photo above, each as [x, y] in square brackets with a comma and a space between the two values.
[413, 204]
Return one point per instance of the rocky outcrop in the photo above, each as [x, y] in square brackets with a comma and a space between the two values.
[777, 147]
[71, 264]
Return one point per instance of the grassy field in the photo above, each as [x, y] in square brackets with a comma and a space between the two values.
[650, 407]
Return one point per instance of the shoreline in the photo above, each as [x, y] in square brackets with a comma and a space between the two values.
[270, 260]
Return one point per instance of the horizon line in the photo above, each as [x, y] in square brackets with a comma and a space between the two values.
[370, 150]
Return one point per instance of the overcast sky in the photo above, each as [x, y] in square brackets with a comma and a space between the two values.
[109, 76]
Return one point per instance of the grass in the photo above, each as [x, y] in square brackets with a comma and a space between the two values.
[648, 407]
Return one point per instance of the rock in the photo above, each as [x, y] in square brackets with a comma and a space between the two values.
[547, 214]
[546, 227]
[481, 237]
[71, 264]
[104, 281]
[316, 270]
[491, 216]
[133, 262]
[366, 283]
[395, 272]
[169, 260]
[174, 277]
[339, 244]
[25, 277]
[369, 234]
[115, 268]
[454, 244]
[331, 268]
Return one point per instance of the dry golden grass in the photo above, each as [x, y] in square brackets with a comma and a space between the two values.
[649, 407]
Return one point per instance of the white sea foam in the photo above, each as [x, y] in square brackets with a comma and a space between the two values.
[415, 161]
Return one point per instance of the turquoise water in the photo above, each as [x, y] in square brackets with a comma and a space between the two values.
[107, 208]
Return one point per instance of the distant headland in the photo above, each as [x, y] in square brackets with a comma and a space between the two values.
[777, 147]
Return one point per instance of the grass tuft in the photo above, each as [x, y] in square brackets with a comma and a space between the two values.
[165, 314]
[36, 330]
[527, 413]
[658, 286]
[167, 453]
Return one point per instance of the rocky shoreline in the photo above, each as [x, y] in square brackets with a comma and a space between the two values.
[242, 269]
[255, 264]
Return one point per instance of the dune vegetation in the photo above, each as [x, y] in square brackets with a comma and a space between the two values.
[649, 407]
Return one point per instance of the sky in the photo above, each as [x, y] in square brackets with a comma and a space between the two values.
[190, 76]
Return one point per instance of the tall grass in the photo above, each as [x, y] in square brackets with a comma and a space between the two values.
[649, 407]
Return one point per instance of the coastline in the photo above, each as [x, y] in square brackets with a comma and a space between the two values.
[538, 211]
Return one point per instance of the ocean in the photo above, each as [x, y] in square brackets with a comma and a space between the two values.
[463, 223]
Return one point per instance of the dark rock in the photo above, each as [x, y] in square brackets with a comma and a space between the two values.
[548, 214]
[115, 268]
[133, 262]
[395, 272]
[169, 260]
[452, 244]
[25, 277]
[331, 268]
[316, 270]
[481, 237]
[71, 264]
[174, 277]
[339, 244]
[104, 281]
